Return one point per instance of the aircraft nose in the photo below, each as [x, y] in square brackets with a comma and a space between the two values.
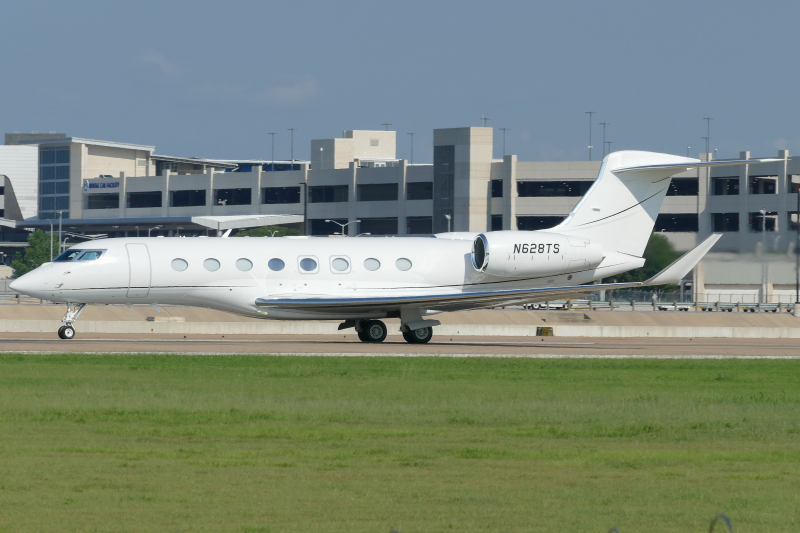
[24, 285]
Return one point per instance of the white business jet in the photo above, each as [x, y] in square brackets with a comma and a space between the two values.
[361, 281]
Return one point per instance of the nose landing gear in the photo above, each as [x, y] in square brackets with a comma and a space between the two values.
[67, 331]
[371, 331]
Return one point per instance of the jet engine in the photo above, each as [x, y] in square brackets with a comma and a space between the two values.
[517, 254]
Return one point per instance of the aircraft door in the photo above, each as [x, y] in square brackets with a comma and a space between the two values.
[139, 263]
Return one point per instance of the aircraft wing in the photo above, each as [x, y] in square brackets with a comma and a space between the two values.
[446, 300]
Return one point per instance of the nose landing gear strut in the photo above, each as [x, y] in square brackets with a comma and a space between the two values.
[67, 331]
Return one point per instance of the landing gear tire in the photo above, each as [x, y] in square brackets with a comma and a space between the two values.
[418, 336]
[373, 331]
[66, 332]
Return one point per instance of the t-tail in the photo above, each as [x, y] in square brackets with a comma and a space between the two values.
[620, 209]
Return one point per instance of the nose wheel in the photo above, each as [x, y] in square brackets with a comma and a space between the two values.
[67, 332]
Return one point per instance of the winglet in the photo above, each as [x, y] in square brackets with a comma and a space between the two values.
[680, 267]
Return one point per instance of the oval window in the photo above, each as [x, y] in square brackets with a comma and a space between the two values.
[403, 264]
[340, 264]
[372, 264]
[308, 264]
[276, 264]
[244, 264]
[179, 264]
[212, 265]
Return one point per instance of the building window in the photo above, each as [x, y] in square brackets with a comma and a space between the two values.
[187, 198]
[378, 226]
[444, 163]
[139, 200]
[374, 142]
[683, 187]
[677, 222]
[379, 192]
[324, 194]
[419, 225]
[794, 183]
[279, 167]
[47, 188]
[320, 227]
[792, 220]
[726, 187]
[102, 201]
[233, 196]
[419, 190]
[62, 188]
[725, 222]
[280, 195]
[62, 202]
[757, 221]
[497, 222]
[527, 189]
[533, 223]
[497, 188]
[761, 184]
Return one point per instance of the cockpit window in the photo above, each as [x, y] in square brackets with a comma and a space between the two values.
[91, 255]
[69, 255]
[79, 255]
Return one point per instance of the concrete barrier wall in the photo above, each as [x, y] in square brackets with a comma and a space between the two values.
[448, 330]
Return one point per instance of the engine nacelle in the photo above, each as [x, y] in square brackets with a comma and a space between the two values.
[517, 254]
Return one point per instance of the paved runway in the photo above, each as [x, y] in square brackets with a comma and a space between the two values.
[395, 346]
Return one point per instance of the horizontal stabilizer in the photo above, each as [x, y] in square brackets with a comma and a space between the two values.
[688, 164]
[680, 267]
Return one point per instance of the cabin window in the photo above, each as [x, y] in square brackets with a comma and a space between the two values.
[340, 264]
[308, 264]
[212, 265]
[276, 264]
[244, 264]
[372, 264]
[403, 264]
[179, 264]
[91, 255]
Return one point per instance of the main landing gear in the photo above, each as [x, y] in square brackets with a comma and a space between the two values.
[67, 331]
[375, 331]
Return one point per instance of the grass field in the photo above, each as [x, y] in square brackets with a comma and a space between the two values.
[268, 444]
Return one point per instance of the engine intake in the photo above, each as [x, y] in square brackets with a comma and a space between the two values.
[532, 253]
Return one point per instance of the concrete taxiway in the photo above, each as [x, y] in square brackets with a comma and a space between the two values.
[541, 347]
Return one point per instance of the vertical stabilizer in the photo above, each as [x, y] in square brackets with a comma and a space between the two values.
[620, 209]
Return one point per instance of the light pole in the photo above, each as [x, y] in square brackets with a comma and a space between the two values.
[272, 164]
[715, 154]
[51, 239]
[292, 130]
[64, 247]
[609, 143]
[763, 256]
[687, 150]
[342, 225]
[137, 230]
[178, 231]
[590, 113]
[305, 206]
[321, 158]
[604, 124]
[154, 227]
[708, 133]
[485, 120]
[504, 130]
[387, 124]
[60, 216]
[412, 147]
[448, 216]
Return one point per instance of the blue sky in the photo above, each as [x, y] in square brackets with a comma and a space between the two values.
[211, 79]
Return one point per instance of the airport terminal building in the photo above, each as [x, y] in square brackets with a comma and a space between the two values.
[358, 182]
